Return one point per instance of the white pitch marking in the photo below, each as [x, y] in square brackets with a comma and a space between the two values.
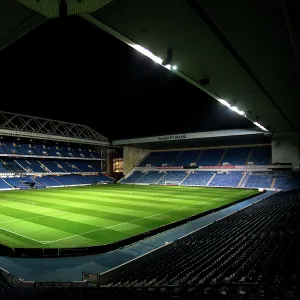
[76, 235]
[48, 242]
[26, 237]
[36, 217]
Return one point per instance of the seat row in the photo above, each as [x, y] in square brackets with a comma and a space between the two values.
[248, 246]
[260, 155]
[217, 179]
[52, 181]
[45, 150]
[46, 166]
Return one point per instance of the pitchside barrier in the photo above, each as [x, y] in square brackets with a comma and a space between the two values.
[105, 277]
[23, 284]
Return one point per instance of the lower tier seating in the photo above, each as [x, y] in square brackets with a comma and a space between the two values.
[198, 178]
[208, 178]
[227, 179]
[53, 181]
[254, 245]
[4, 184]
[48, 181]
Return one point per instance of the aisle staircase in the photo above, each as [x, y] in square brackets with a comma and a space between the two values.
[210, 180]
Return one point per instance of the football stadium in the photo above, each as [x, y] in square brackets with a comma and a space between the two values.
[212, 214]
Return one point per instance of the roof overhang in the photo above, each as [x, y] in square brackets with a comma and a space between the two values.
[25, 126]
[248, 49]
[252, 66]
[197, 139]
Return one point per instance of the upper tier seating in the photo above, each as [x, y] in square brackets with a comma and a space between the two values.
[186, 158]
[3, 150]
[45, 150]
[210, 157]
[236, 156]
[167, 158]
[229, 179]
[12, 148]
[260, 156]
[151, 159]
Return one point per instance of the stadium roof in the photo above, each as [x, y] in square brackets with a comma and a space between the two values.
[198, 139]
[25, 126]
[249, 50]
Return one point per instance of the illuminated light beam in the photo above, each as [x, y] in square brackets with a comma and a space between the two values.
[147, 53]
[152, 56]
[260, 126]
[224, 102]
[240, 112]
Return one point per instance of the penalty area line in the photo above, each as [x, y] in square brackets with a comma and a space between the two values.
[24, 236]
[166, 212]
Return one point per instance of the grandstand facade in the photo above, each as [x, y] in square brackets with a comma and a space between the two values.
[228, 158]
[42, 153]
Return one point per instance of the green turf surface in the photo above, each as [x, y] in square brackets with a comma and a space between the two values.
[97, 215]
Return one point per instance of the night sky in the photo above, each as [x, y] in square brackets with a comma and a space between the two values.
[80, 74]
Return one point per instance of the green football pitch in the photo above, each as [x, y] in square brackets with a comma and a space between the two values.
[97, 215]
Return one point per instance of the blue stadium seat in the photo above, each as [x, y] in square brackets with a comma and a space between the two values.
[132, 178]
[175, 176]
[150, 177]
[167, 158]
[210, 157]
[259, 180]
[66, 180]
[48, 181]
[231, 179]
[198, 178]
[4, 184]
[151, 159]
[236, 156]
[31, 165]
[186, 158]
[260, 156]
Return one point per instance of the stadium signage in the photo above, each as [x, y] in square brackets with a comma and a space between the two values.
[172, 137]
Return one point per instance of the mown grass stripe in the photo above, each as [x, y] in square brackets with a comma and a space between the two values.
[61, 213]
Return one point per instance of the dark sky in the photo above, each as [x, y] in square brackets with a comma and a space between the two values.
[83, 75]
